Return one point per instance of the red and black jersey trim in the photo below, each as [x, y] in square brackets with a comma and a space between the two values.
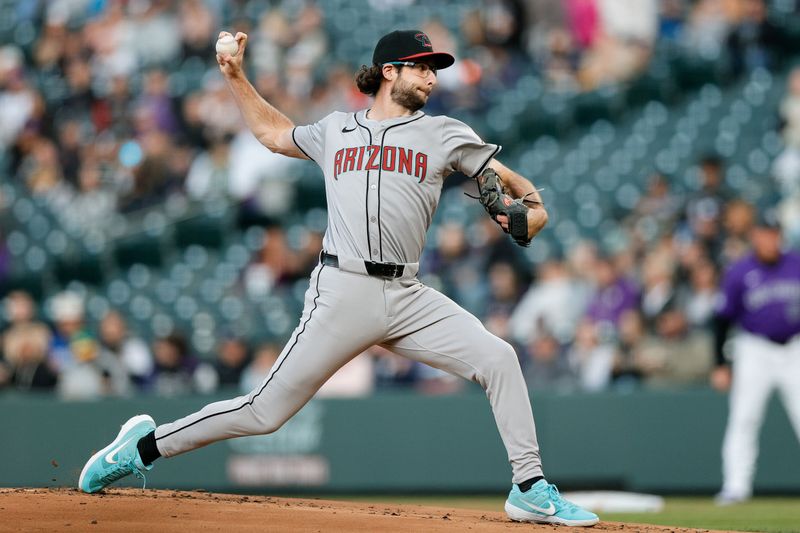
[483, 166]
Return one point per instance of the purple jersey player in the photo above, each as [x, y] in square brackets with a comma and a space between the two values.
[760, 296]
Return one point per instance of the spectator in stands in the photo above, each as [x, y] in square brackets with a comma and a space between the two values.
[133, 351]
[434, 381]
[700, 295]
[154, 178]
[71, 138]
[555, 302]
[264, 357]
[25, 365]
[233, 356]
[40, 170]
[787, 165]
[18, 101]
[547, 366]
[704, 208]
[755, 40]
[456, 267]
[93, 204]
[197, 24]
[262, 181]
[707, 27]
[209, 175]
[672, 16]
[274, 264]
[66, 310]
[657, 211]
[393, 371]
[591, 358]
[504, 291]
[19, 308]
[155, 106]
[355, 379]
[632, 332]
[620, 46]
[177, 371]
[676, 355]
[737, 220]
[613, 295]
[154, 24]
[85, 369]
[93, 373]
[658, 275]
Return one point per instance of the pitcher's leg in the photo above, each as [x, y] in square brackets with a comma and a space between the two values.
[448, 337]
[332, 330]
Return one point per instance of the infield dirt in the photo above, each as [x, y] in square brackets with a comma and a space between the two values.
[164, 511]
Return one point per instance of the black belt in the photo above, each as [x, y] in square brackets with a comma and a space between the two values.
[381, 270]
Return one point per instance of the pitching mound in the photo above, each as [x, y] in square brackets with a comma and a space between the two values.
[167, 511]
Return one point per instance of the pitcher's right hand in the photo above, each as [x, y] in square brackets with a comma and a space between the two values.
[231, 65]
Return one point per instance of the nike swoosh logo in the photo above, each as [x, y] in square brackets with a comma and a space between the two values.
[345, 130]
[110, 455]
[550, 510]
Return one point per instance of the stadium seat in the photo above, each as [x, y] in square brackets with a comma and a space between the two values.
[80, 265]
[138, 248]
[202, 229]
[601, 104]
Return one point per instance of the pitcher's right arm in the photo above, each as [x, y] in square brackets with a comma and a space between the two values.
[272, 128]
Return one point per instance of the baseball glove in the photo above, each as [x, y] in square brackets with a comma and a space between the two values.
[496, 201]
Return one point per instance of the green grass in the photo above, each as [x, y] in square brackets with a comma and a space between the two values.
[773, 515]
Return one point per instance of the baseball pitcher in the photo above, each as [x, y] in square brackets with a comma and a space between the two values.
[383, 168]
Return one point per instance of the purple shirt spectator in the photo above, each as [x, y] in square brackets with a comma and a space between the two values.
[610, 302]
[764, 299]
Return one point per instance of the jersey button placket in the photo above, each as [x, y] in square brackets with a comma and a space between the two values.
[373, 203]
[373, 218]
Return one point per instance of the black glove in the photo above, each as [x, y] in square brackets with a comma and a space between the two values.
[497, 202]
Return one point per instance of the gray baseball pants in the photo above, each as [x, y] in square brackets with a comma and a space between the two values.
[346, 313]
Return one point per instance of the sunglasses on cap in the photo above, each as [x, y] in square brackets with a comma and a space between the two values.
[420, 69]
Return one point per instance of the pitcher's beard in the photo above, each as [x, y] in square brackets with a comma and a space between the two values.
[406, 95]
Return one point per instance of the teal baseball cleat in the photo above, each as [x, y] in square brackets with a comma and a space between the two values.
[118, 459]
[543, 504]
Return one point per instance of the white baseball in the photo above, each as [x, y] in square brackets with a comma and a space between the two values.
[227, 45]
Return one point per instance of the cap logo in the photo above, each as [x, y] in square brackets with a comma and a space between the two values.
[423, 40]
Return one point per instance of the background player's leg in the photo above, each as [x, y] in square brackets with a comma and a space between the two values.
[341, 318]
[788, 379]
[429, 327]
[750, 390]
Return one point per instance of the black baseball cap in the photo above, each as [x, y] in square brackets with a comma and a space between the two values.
[409, 45]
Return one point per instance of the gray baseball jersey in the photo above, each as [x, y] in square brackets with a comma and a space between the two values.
[383, 181]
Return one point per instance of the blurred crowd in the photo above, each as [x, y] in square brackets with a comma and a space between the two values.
[112, 107]
[588, 319]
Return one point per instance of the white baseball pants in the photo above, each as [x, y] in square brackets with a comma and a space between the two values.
[759, 366]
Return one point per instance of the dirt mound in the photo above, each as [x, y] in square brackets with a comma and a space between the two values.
[165, 511]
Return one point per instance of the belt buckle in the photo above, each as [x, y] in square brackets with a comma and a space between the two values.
[397, 270]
